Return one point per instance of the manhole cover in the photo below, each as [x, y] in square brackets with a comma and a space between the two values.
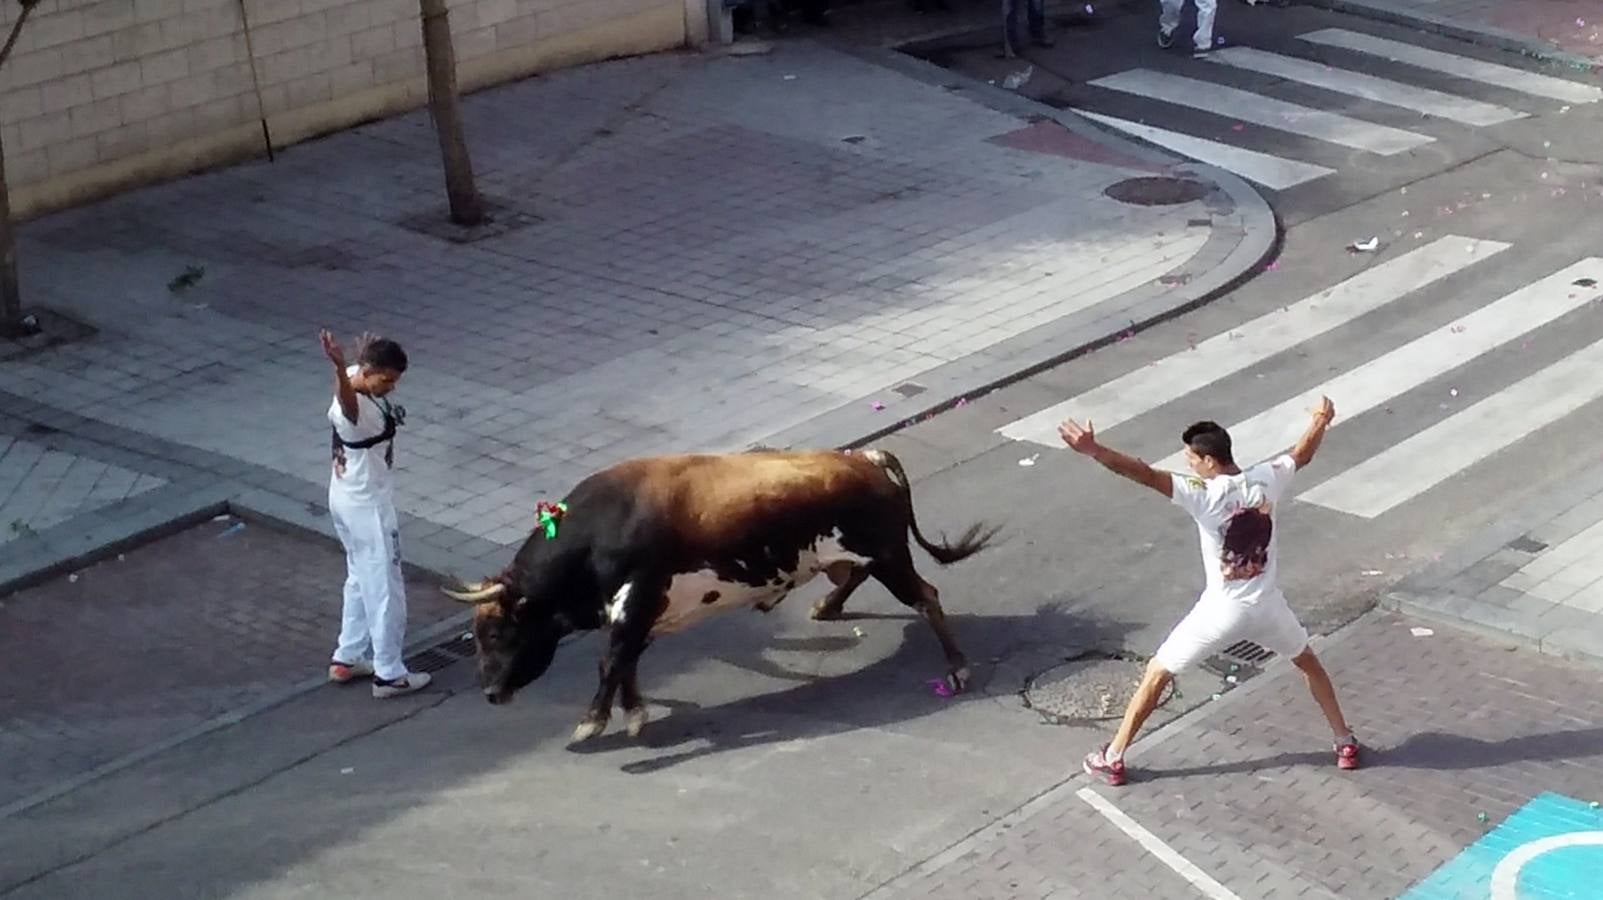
[1091, 688]
[1156, 191]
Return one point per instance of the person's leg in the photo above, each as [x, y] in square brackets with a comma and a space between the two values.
[377, 552]
[1204, 630]
[350, 652]
[1037, 15]
[1276, 628]
[1147, 694]
[1204, 36]
[1168, 20]
[1324, 692]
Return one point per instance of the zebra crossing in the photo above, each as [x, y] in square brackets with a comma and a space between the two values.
[1434, 453]
[1198, 90]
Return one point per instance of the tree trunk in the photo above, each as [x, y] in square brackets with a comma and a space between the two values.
[10, 291]
[467, 207]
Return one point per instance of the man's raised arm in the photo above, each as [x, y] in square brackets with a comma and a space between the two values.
[1083, 440]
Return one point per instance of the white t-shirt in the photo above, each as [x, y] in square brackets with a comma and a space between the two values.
[364, 477]
[1236, 524]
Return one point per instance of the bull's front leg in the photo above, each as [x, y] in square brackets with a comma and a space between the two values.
[630, 635]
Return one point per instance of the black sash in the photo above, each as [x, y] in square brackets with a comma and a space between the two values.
[393, 417]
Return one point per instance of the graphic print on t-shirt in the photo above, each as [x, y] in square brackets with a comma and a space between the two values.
[1244, 542]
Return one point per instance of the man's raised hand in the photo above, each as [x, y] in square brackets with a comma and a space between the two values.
[331, 348]
[1081, 440]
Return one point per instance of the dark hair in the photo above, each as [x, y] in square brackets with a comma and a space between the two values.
[1209, 439]
[384, 353]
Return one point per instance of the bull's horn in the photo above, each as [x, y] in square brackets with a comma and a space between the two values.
[478, 593]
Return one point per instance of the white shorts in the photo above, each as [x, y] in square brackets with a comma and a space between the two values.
[1214, 624]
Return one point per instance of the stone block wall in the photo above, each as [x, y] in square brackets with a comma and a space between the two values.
[101, 95]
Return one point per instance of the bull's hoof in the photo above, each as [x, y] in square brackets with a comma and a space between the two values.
[637, 721]
[588, 729]
[824, 611]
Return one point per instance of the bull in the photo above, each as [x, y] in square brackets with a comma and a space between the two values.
[650, 546]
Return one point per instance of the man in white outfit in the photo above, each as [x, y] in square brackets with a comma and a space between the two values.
[1169, 20]
[361, 502]
[1236, 511]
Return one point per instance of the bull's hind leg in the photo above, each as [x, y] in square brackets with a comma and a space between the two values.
[847, 577]
[905, 584]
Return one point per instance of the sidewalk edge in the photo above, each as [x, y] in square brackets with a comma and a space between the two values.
[1484, 35]
[1232, 254]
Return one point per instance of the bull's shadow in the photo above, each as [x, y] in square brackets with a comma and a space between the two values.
[895, 687]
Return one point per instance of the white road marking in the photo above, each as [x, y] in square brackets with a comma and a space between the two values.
[1411, 365]
[1460, 66]
[1273, 172]
[1426, 459]
[1505, 877]
[1154, 845]
[1380, 90]
[1174, 376]
[1260, 110]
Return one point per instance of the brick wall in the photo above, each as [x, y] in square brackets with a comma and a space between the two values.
[100, 95]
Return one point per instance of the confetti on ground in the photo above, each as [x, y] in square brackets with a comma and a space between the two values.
[1365, 246]
[876, 405]
[857, 631]
[1373, 572]
[1416, 631]
[939, 687]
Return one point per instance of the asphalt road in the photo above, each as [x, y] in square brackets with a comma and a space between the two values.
[1438, 429]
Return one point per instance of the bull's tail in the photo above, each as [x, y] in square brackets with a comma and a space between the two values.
[976, 538]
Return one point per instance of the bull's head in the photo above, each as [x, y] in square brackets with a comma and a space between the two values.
[515, 637]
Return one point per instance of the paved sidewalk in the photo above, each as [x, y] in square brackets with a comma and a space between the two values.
[1536, 577]
[149, 647]
[693, 252]
[1567, 32]
[1246, 791]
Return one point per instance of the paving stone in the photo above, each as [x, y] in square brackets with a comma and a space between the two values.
[221, 622]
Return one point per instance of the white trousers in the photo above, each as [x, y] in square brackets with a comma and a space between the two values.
[1169, 20]
[374, 617]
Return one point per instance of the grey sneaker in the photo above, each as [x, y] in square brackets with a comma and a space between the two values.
[409, 683]
[1165, 39]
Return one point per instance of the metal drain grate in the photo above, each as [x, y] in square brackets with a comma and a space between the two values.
[1248, 652]
[1527, 544]
[442, 655]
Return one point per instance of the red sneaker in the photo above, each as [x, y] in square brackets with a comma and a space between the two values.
[1347, 755]
[1097, 766]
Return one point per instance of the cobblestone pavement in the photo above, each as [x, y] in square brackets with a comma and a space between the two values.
[145, 646]
[1536, 577]
[1461, 733]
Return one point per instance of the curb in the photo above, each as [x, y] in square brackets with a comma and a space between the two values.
[1447, 591]
[1231, 256]
[1399, 13]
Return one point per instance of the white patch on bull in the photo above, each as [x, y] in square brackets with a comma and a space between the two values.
[690, 594]
[615, 609]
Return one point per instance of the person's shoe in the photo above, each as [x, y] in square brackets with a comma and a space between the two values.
[1165, 39]
[1347, 755]
[1097, 766]
[345, 673]
[409, 683]
[1201, 52]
